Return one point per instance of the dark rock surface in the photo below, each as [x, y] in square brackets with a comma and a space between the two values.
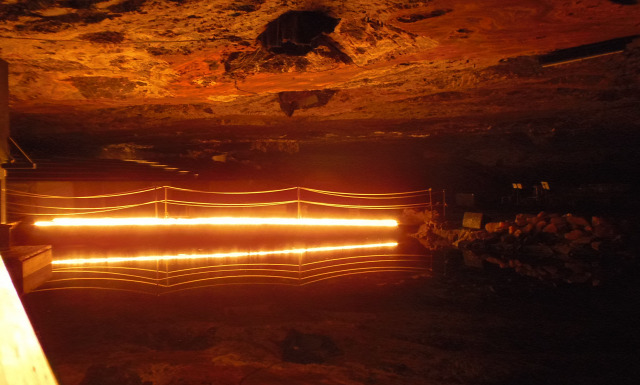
[303, 348]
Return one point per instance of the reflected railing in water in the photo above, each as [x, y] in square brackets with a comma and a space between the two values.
[163, 222]
[163, 274]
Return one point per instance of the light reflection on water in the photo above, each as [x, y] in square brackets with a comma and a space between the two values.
[260, 257]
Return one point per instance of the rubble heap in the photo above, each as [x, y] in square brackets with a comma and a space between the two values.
[548, 246]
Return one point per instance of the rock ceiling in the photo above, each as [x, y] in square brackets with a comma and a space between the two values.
[111, 64]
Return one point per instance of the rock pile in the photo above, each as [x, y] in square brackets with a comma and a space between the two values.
[547, 246]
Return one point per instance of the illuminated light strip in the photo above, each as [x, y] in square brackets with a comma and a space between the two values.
[232, 221]
[230, 192]
[79, 261]
[360, 195]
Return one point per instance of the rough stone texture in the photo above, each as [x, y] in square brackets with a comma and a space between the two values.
[95, 87]
[112, 375]
[415, 62]
[291, 101]
[545, 247]
[304, 348]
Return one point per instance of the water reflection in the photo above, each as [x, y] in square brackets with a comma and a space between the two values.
[168, 261]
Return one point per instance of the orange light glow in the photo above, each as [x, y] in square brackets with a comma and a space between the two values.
[154, 258]
[230, 221]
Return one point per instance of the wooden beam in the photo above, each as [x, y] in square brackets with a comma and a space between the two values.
[22, 361]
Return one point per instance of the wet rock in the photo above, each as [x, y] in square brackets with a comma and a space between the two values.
[549, 247]
[291, 101]
[276, 145]
[528, 228]
[550, 228]
[584, 240]
[305, 348]
[559, 222]
[576, 222]
[540, 225]
[418, 217]
[492, 227]
[573, 235]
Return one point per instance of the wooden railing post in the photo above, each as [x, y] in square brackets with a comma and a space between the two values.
[299, 209]
[166, 210]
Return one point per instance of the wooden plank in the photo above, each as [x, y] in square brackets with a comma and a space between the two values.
[22, 361]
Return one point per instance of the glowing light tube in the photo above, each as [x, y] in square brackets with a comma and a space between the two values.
[229, 221]
[80, 261]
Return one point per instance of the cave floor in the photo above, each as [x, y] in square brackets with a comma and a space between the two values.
[468, 327]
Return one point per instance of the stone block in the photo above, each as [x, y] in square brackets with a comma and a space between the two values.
[28, 266]
[472, 220]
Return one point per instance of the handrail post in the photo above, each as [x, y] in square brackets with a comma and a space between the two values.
[444, 204]
[157, 276]
[166, 211]
[299, 210]
[155, 200]
[299, 268]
